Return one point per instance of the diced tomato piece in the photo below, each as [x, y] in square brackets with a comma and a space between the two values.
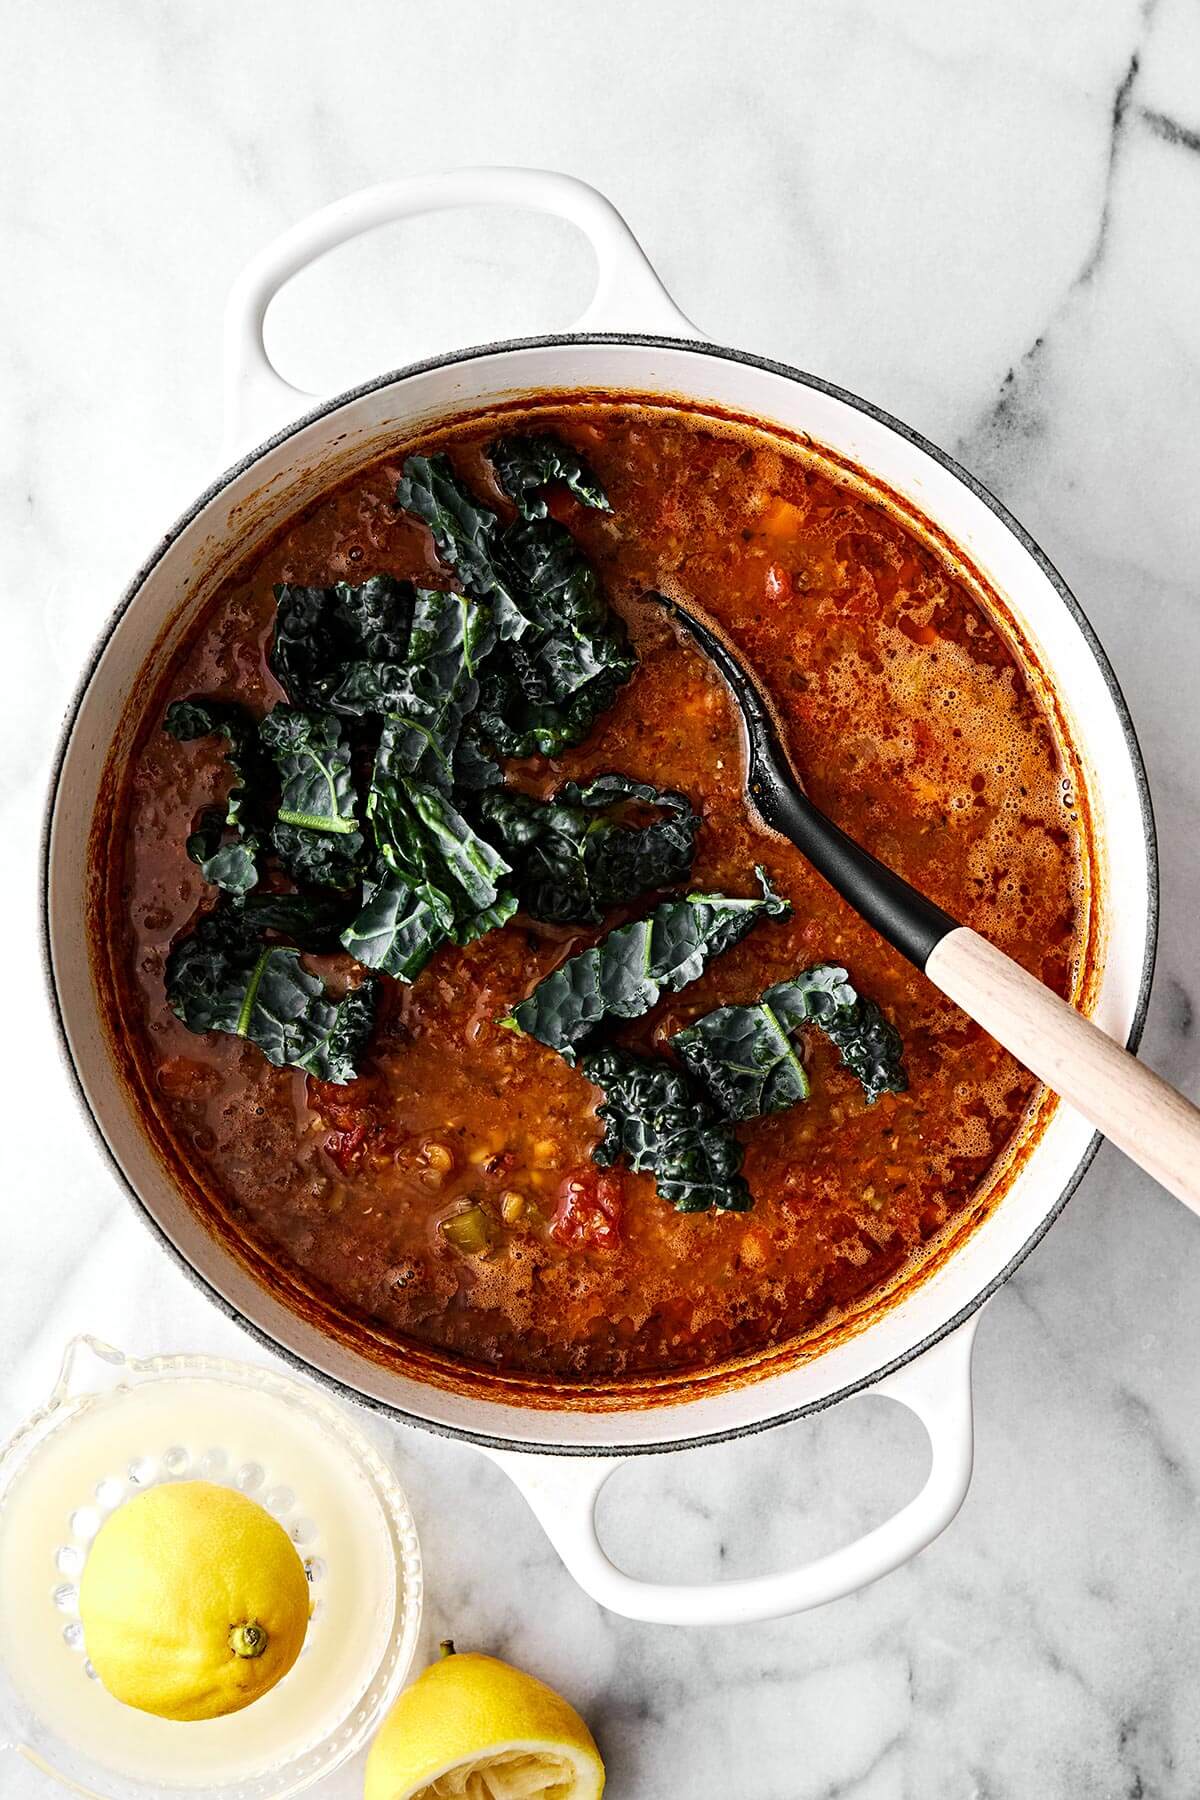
[588, 1214]
[360, 1116]
[345, 1148]
[778, 582]
[344, 1104]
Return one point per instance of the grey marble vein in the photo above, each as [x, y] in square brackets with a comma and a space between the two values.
[1170, 130]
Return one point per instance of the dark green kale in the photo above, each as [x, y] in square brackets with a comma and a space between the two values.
[410, 655]
[475, 769]
[424, 701]
[512, 725]
[229, 861]
[626, 973]
[578, 853]
[488, 918]
[564, 655]
[817, 996]
[316, 832]
[868, 1044]
[573, 639]
[466, 537]
[401, 923]
[322, 634]
[450, 636]
[422, 728]
[421, 835]
[397, 928]
[525, 465]
[309, 921]
[436, 879]
[224, 977]
[746, 1060]
[223, 845]
[746, 1056]
[664, 1126]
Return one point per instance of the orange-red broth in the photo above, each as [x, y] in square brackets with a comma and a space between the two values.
[907, 712]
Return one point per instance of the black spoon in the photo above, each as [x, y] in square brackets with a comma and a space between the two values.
[1144, 1116]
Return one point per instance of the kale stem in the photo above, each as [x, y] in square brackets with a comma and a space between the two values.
[318, 822]
[256, 975]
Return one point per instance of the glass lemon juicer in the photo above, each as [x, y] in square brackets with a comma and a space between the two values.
[115, 1425]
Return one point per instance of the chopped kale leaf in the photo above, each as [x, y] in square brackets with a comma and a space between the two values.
[564, 655]
[625, 974]
[309, 921]
[223, 844]
[398, 927]
[578, 853]
[224, 976]
[746, 1057]
[662, 1125]
[526, 465]
[514, 726]
[226, 859]
[316, 832]
[326, 637]
[466, 536]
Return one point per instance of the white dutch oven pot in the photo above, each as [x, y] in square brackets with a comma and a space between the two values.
[917, 1352]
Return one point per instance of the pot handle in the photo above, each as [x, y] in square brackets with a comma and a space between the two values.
[563, 1491]
[628, 294]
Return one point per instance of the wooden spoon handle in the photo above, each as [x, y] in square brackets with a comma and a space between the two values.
[1142, 1114]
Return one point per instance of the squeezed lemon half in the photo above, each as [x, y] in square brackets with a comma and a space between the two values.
[474, 1728]
[194, 1601]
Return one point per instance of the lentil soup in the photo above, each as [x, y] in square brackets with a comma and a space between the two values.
[916, 721]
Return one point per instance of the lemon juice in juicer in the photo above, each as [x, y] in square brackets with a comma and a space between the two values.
[199, 1423]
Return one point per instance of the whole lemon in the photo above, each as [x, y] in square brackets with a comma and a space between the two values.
[194, 1601]
[474, 1725]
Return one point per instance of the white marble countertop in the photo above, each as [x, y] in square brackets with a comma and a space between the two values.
[984, 217]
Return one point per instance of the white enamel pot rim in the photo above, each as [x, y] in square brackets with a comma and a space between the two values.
[631, 339]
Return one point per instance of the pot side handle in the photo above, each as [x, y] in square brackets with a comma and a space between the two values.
[563, 1492]
[628, 295]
